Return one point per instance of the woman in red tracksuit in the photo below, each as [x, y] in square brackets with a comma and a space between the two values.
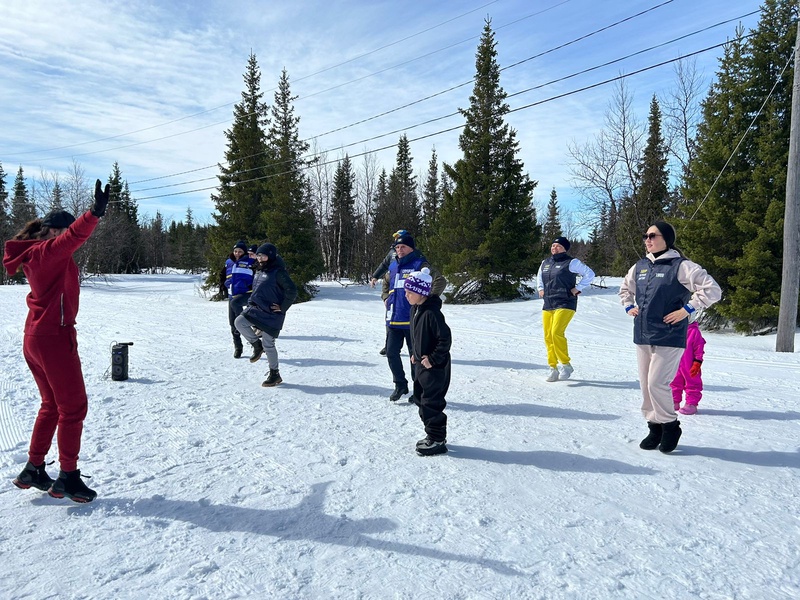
[43, 251]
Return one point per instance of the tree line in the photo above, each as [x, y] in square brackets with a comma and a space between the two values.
[711, 162]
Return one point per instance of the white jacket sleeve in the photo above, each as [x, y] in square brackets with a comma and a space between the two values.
[627, 291]
[587, 275]
[705, 291]
[539, 285]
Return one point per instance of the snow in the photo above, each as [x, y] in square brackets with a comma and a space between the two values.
[211, 486]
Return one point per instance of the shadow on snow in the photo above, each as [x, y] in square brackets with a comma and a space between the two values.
[550, 460]
[532, 410]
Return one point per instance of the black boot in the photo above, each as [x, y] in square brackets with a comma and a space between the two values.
[672, 433]
[273, 379]
[258, 350]
[382, 351]
[33, 476]
[653, 439]
[70, 484]
[237, 351]
[399, 390]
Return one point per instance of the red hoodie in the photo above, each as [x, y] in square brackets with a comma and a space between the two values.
[52, 274]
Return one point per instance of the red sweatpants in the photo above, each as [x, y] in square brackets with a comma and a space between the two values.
[56, 367]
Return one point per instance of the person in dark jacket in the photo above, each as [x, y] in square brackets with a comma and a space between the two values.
[266, 310]
[44, 250]
[238, 286]
[660, 291]
[398, 310]
[430, 343]
[557, 282]
[382, 274]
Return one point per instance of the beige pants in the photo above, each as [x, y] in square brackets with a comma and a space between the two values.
[657, 368]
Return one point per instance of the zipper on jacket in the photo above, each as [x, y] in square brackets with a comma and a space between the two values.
[62, 310]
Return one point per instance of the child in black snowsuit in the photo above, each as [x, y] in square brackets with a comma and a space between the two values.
[430, 340]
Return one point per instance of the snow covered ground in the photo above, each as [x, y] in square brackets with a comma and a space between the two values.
[211, 486]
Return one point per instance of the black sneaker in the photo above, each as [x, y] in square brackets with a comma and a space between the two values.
[258, 350]
[69, 484]
[398, 391]
[33, 476]
[429, 447]
[237, 353]
[273, 379]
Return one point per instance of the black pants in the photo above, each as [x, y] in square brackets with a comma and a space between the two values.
[235, 306]
[430, 388]
[394, 343]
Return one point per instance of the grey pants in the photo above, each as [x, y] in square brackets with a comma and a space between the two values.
[657, 368]
[267, 341]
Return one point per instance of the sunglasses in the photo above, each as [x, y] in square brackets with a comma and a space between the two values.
[651, 236]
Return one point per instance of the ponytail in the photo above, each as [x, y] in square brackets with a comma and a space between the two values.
[33, 230]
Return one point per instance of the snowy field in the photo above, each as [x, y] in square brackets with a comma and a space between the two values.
[210, 486]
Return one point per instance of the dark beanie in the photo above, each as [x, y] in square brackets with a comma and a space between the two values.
[405, 239]
[58, 219]
[268, 250]
[563, 241]
[668, 231]
[253, 248]
[242, 245]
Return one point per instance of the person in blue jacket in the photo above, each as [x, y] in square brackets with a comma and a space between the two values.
[266, 310]
[398, 310]
[238, 285]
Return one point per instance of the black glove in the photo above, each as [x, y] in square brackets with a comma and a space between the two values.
[100, 199]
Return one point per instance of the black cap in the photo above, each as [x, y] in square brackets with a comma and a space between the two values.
[242, 245]
[563, 241]
[58, 219]
[405, 239]
[268, 250]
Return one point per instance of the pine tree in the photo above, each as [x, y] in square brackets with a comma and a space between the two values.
[342, 228]
[5, 219]
[22, 208]
[242, 192]
[650, 201]
[431, 198]
[383, 221]
[737, 231]
[552, 226]
[288, 218]
[403, 201]
[487, 228]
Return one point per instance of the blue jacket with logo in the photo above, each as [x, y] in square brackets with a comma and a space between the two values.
[658, 293]
[398, 310]
[239, 275]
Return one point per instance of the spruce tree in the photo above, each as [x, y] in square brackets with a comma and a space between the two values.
[431, 198]
[22, 208]
[403, 201]
[552, 226]
[382, 221]
[487, 236]
[342, 226]
[650, 201]
[5, 220]
[242, 192]
[288, 218]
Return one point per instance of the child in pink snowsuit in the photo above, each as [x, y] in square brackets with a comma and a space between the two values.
[689, 377]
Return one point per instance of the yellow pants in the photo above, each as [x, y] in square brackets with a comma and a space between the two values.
[555, 324]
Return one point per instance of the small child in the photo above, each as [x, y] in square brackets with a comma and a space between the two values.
[430, 342]
[689, 377]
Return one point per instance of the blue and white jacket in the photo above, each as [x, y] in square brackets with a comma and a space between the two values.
[239, 275]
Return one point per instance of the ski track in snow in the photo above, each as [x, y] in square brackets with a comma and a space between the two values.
[212, 486]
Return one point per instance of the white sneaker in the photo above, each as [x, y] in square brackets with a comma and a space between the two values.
[566, 371]
[553, 375]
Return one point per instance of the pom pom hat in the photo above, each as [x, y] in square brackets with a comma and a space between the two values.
[420, 282]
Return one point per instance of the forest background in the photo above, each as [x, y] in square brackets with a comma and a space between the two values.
[711, 161]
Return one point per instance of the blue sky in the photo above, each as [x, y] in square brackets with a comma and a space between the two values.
[152, 86]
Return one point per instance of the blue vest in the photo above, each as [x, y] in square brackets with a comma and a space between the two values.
[398, 314]
[658, 293]
[558, 282]
[239, 276]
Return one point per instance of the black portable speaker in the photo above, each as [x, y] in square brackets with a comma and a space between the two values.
[119, 361]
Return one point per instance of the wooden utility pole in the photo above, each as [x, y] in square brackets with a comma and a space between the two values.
[790, 285]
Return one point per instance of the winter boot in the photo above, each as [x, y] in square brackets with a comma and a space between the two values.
[273, 379]
[33, 476]
[669, 440]
[428, 447]
[399, 390]
[382, 351]
[689, 409]
[653, 439]
[565, 372]
[237, 351]
[258, 350]
[69, 484]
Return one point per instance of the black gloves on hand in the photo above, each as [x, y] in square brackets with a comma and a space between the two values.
[100, 199]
